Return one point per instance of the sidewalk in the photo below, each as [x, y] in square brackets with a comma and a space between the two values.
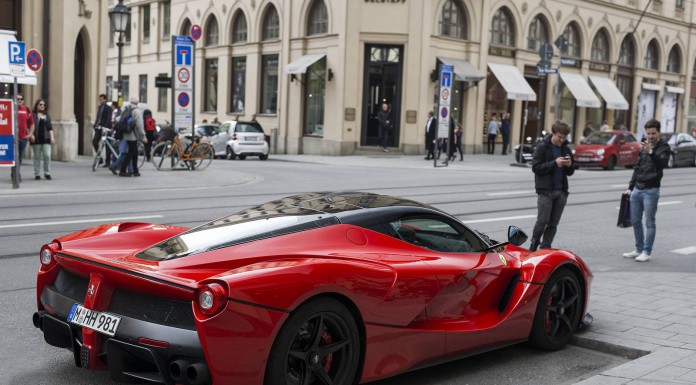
[649, 317]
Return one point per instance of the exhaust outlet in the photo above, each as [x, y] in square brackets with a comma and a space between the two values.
[177, 369]
[198, 374]
[37, 319]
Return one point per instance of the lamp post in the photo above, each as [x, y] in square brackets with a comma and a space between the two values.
[120, 20]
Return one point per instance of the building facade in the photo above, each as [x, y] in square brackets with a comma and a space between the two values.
[315, 72]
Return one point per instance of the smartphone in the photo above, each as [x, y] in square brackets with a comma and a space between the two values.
[567, 157]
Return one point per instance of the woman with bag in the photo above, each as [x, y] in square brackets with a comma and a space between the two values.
[42, 140]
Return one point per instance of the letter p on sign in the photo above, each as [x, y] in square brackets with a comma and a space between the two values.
[17, 52]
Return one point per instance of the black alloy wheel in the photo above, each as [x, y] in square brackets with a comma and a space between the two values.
[318, 344]
[558, 311]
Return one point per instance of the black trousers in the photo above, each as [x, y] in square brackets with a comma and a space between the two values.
[506, 141]
[132, 157]
[550, 208]
[491, 143]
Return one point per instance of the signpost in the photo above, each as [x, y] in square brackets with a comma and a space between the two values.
[183, 85]
[444, 106]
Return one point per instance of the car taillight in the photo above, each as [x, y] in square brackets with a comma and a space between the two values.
[48, 253]
[212, 298]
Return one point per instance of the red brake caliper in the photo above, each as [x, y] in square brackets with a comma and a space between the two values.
[326, 339]
[548, 314]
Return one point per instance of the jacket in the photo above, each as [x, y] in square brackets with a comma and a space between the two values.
[648, 170]
[138, 132]
[544, 163]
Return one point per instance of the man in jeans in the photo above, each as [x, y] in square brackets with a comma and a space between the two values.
[552, 165]
[644, 188]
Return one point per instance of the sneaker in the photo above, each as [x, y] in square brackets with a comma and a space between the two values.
[632, 254]
[386, 149]
[113, 170]
[38, 177]
[124, 174]
[47, 177]
[136, 174]
[643, 257]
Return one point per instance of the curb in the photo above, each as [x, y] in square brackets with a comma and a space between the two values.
[608, 347]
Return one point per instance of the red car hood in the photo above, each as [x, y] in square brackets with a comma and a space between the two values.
[585, 148]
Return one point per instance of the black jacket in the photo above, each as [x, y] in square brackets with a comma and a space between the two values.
[648, 170]
[103, 119]
[544, 163]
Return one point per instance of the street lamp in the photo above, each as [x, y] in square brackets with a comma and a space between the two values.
[120, 20]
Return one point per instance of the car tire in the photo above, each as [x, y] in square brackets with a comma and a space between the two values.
[558, 311]
[693, 162]
[229, 153]
[263, 157]
[319, 340]
[241, 157]
[671, 163]
[611, 163]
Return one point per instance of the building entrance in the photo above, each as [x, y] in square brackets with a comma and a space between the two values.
[382, 84]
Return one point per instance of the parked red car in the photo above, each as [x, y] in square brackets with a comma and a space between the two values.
[607, 149]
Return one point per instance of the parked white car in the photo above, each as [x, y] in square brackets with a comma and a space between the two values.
[236, 139]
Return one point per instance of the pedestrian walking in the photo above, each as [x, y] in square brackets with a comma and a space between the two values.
[493, 126]
[457, 137]
[604, 126]
[430, 135]
[150, 130]
[103, 119]
[552, 165]
[132, 137]
[505, 131]
[644, 188]
[25, 126]
[385, 123]
[42, 140]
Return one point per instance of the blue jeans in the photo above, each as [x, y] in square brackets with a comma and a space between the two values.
[644, 202]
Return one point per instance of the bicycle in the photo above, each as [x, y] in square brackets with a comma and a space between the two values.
[171, 154]
[110, 144]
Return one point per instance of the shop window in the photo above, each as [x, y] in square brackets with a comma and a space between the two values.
[238, 85]
[239, 28]
[600, 47]
[269, 84]
[162, 96]
[572, 35]
[315, 88]
[674, 60]
[627, 54]
[210, 86]
[652, 58]
[212, 32]
[502, 28]
[271, 24]
[453, 20]
[318, 20]
[538, 33]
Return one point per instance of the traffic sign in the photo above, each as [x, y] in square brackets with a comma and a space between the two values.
[561, 43]
[196, 32]
[16, 52]
[183, 75]
[183, 99]
[163, 82]
[446, 73]
[34, 60]
[546, 70]
[182, 80]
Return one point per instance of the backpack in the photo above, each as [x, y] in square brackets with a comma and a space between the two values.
[126, 123]
[150, 124]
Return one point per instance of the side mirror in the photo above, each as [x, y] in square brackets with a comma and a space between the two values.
[516, 236]
[622, 142]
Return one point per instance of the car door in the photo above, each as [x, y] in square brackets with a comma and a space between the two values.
[220, 139]
[685, 150]
[473, 281]
[628, 149]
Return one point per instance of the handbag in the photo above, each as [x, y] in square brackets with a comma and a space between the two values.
[624, 220]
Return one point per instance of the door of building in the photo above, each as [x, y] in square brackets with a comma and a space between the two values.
[79, 94]
[382, 84]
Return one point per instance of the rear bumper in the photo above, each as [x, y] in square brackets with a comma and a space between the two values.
[127, 359]
[255, 148]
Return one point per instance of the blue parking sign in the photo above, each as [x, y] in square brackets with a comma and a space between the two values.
[17, 52]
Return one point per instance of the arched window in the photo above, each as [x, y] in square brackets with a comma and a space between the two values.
[318, 20]
[538, 33]
[572, 35]
[239, 28]
[453, 20]
[212, 32]
[502, 28]
[627, 54]
[271, 24]
[600, 46]
[674, 60]
[185, 28]
[652, 58]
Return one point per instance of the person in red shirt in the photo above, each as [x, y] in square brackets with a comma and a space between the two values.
[25, 125]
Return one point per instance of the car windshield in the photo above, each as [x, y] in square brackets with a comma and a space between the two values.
[246, 127]
[601, 138]
[245, 226]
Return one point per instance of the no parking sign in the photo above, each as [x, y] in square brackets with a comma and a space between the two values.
[34, 60]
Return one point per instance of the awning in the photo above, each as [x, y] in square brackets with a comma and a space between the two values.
[611, 95]
[299, 65]
[584, 96]
[512, 80]
[675, 90]
[651, 87]
[5, 77]
[463, 70]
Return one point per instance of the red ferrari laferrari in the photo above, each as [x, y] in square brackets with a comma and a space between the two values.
[322, 288]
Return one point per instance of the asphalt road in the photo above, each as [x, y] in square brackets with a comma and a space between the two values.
[488, 201]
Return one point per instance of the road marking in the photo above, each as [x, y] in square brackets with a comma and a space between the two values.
[499, 219]
[662, 203]
[509, 193]
[625, 185]
[102, 220]
[685, 251]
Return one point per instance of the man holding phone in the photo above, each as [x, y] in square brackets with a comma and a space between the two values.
[552, 165]
[644, 188]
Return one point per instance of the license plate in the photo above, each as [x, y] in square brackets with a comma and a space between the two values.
[582, 159]
[102, 322]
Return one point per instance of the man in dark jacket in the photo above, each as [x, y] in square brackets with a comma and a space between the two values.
[552, 165]
[430, 136]
[385, 123]
[103, 120]
[644, 188]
